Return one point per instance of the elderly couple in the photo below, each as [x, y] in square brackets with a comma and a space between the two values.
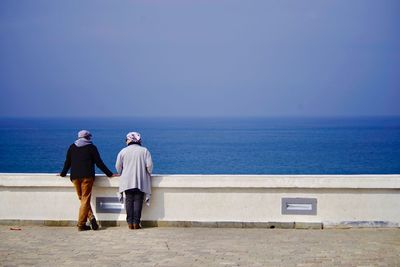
[134, 165]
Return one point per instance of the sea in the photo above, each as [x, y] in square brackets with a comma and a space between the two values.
[364, 145]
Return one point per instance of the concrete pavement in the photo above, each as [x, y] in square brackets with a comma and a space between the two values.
[164, 246]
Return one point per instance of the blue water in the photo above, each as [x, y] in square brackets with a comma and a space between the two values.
[214, 146]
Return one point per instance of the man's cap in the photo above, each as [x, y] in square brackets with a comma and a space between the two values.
[84, 134]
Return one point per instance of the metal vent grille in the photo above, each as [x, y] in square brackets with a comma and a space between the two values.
[300, 206]
[108, 205]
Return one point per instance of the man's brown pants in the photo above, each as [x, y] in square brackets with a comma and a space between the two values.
[83, 188]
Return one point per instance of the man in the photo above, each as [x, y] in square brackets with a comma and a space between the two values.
[81, 157]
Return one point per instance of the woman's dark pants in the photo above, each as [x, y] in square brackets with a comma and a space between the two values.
[133, 205]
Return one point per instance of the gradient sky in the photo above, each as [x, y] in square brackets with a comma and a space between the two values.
[199, 58]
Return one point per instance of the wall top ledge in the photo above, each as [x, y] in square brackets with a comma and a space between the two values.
[376, 181]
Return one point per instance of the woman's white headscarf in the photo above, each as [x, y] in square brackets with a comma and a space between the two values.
[133, 137]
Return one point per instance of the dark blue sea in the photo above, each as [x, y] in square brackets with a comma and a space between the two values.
[214, 145]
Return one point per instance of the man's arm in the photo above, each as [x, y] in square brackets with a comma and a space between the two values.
[99, 163]
[67, 163]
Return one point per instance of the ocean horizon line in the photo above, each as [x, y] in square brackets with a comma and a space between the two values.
[210, 117]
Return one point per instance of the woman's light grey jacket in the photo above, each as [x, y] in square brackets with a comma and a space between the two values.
[135, 165]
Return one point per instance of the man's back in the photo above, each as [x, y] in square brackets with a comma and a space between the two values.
[81, 160]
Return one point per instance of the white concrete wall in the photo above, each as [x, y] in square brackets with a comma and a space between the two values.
[341, 199]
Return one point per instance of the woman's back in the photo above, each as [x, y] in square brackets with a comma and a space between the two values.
[134, 164]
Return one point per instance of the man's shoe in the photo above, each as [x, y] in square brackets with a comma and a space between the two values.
[83, 228]
[136, 226]
[94, 223]
[130, 226]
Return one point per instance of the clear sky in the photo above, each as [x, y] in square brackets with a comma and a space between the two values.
[200, 58]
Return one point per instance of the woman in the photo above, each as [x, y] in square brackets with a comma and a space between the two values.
[134, 164]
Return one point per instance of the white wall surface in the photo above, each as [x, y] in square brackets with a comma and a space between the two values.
[214, 198]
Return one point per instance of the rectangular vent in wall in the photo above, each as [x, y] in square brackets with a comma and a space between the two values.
[108, 205]
[299, 206]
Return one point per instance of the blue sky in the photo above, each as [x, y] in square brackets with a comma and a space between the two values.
[199, 58]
